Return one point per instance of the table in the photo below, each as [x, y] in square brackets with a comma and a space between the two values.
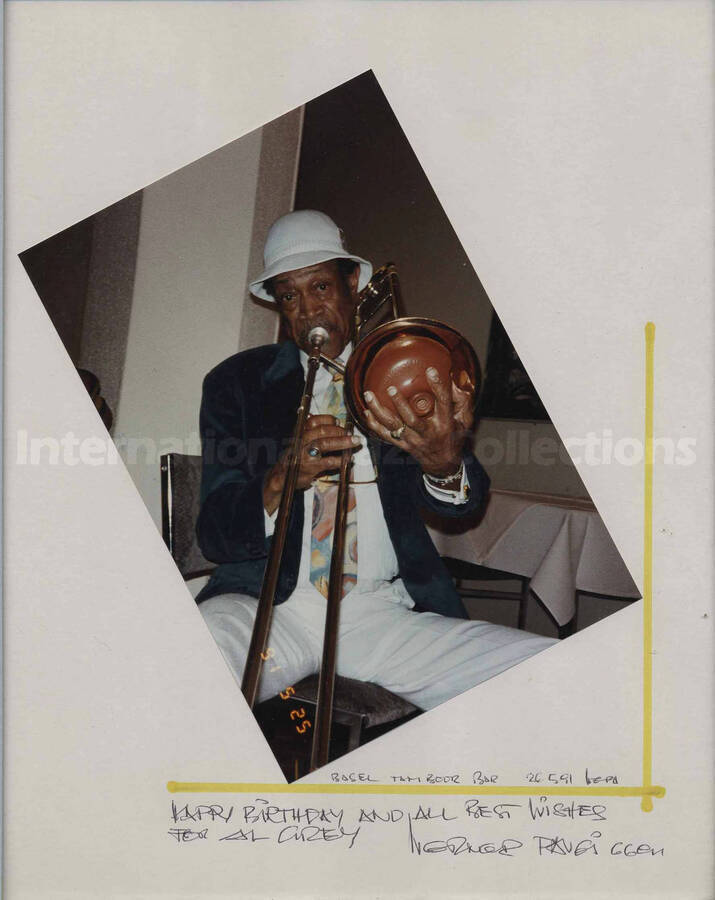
[559, 543]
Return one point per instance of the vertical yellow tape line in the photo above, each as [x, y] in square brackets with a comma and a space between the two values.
[647, 800]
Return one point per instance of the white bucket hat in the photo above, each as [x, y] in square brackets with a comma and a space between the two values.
[303, 238]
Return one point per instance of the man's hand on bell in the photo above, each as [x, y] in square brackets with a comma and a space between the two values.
[463, 406]
[321, 449]
[435, 441]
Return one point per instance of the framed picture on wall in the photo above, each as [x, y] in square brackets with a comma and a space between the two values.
[508, 392]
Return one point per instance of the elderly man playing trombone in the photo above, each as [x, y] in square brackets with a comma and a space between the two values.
[391, 568]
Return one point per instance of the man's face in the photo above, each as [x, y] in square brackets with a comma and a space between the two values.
[318, 295]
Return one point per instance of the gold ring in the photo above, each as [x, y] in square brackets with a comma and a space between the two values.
[397, 433]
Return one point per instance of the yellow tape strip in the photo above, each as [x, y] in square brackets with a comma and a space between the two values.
[247, 787]
[647, 801]
[646, 792]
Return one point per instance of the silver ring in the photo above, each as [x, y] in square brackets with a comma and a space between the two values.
[312, 451]
[397, 433]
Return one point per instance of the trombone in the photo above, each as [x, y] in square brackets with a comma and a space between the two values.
[395, 351]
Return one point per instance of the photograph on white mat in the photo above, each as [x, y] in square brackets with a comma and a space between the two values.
[292, 353]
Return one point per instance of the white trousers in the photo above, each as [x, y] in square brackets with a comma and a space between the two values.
[424, 657]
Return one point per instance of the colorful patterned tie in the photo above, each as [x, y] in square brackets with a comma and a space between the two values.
[324, 500]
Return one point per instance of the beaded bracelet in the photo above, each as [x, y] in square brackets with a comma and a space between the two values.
[439, 482]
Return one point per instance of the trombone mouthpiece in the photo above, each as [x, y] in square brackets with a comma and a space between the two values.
[317, 336]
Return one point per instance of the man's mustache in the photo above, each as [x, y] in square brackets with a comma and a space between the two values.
[321, 322]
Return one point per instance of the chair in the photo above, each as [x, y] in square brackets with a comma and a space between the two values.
[364, 708]
[572, 626]
[180, 495]
[463, 571]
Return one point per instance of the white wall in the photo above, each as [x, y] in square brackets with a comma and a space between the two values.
[526, 456]
[200, 242]
[275, 194]
[189, 291]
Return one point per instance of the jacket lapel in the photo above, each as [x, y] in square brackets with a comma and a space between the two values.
[287, 361]
[282, 386]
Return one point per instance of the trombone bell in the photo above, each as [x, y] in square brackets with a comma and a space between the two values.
[398, 353]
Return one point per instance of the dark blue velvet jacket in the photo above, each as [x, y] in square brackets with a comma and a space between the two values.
[248, 412]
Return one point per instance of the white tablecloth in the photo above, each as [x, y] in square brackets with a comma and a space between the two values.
[560, 543]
